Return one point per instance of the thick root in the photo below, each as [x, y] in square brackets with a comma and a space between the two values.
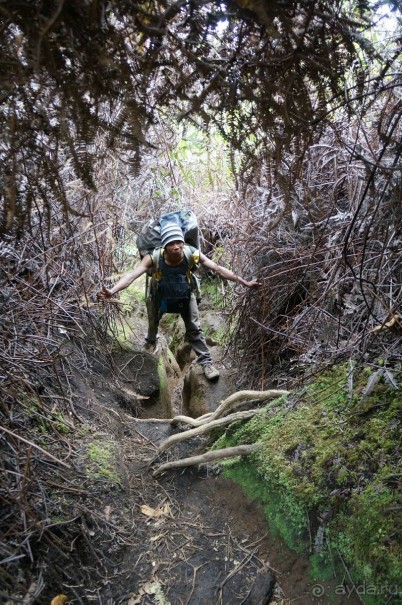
[229, 452]
[204, 428]
[228, 404]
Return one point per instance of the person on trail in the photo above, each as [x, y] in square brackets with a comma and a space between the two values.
[171, 291]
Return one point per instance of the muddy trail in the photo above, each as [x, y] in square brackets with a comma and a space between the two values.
[188, 537]
[185, 537]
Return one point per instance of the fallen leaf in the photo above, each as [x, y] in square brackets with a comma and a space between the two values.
[156, 513]
[154, 587]
[59, 600]
[149, 512]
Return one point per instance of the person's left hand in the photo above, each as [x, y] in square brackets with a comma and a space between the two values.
[253, 284]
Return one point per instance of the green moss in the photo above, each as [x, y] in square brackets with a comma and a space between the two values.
[161, 374]
[366, 534]
[135, 293]
[63, 427]
[123, 334]
[221, 335]
[102, 457]
[212, 292]
[286, 515]
[44, 421]
[197, 402]
[335, 450]
[169, 320]
[82, 430]
[132, 299]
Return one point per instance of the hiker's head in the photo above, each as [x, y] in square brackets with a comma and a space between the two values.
[170, 234]
[174, 251]
[174, 247]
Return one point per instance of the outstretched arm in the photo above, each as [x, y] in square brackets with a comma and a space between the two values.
[126, 280]
[227, 273]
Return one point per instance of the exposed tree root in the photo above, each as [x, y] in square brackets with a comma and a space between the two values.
[227, 404]
[204, 428]
[229, 452]
[206, 423]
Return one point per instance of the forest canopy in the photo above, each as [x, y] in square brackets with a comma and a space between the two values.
[268, 75]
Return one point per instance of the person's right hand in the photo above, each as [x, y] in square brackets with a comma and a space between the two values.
[104, 294]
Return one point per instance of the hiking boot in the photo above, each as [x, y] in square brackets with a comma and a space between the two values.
[150, 347]
[210, 372]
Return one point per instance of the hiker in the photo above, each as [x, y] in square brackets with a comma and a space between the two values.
[171, 291]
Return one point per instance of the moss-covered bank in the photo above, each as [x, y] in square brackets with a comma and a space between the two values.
[328, 475]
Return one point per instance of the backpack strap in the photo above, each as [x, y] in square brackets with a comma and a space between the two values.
[192, 257]
[155, 270]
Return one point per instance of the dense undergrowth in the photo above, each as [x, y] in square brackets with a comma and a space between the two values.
[293, 188]
[328, 476]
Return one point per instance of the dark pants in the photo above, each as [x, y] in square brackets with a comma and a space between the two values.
[194, 333]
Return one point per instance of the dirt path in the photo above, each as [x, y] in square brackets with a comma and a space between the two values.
[201, 541]
[188, 537]
[186, 542]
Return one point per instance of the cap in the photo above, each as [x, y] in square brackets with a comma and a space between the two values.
[171, 232]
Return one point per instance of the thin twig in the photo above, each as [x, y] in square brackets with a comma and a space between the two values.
[37, 447]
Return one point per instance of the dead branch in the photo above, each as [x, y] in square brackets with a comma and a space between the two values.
[37, 447]
[229, 452]
[228, 404]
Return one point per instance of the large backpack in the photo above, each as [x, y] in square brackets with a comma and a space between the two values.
[149, 242]
[150, 235]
